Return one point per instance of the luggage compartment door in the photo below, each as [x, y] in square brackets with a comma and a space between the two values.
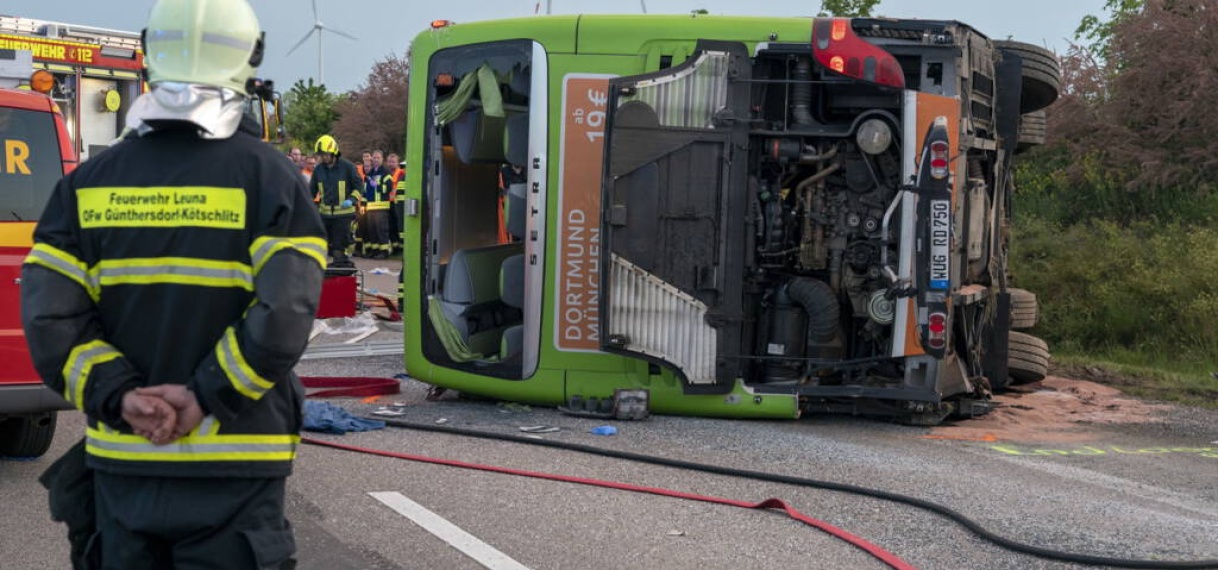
[674, 212]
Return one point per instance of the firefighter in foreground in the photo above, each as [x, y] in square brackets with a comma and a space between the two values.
[170, 299]
[336, 190]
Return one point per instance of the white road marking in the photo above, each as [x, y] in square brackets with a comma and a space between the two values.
[467, 543]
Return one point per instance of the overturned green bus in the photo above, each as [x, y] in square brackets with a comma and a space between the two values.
[733, 216]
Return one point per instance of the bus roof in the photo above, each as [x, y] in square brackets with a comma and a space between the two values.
[631, 33]
[614, 34]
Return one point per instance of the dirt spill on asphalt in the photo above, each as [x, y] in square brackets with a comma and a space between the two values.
[1051, 411]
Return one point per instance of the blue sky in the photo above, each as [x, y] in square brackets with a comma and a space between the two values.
[386, 26]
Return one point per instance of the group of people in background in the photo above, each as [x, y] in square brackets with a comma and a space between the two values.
[359, 203]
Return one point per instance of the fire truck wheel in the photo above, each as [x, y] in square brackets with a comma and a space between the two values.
[1031, 131]
[27, 436]
[1025, 311]
[1042, 74]
[1028, 358]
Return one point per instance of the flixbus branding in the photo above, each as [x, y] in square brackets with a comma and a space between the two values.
[579, 222]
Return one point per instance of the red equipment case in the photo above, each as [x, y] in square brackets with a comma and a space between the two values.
[339, 293]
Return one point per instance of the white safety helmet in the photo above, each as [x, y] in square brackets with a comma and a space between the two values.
[203, 42]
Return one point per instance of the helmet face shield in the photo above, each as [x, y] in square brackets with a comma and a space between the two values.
[217, 112]
[206, 42]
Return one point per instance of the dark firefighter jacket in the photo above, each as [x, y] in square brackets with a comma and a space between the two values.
[332, 185]
[173, 259]
[380, 196]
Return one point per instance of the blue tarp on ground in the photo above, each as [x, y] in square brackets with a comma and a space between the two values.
[328, 418]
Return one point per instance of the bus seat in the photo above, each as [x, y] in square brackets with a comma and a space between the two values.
[519, 84]
[511, 272]
[516, 217]
[516, 139]
[470, 299]
[478, 137]
[511, 291]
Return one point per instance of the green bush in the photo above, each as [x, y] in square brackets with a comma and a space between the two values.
[1143, 290]
[1047, 189]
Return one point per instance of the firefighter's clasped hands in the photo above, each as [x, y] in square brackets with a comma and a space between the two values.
[163, 413]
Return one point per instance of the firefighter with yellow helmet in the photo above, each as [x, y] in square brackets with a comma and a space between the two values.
[169, 300]
[335, 185]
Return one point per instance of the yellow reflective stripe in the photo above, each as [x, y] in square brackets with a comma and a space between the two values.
[336, 211]
[239, 372]
[380, 205]
[265, 247]
[209, 426]
[65, 264]
[175, 271]
[194, 447]
[79, 365]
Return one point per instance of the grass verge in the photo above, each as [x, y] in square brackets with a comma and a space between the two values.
[1187, 384]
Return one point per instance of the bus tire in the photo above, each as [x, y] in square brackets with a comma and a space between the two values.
[1032, 130]
[1042, 74]
[1025, 311]
[1027, 358]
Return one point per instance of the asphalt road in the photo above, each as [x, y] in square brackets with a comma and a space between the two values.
[1151, 494]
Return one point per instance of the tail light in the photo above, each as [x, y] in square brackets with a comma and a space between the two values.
[936, 329]
[837, 47]
[938, 159]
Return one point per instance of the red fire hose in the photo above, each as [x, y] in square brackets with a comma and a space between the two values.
[364, 387]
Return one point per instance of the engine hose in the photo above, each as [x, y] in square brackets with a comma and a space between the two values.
[801, 93]
[816, 297]
[858, 542]
[942, 510]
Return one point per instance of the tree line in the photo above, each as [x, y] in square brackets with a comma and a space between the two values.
[373, 116]
[1115, 214]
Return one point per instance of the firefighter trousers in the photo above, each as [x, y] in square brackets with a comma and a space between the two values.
[69, 484]
[377, 242]
[397, 223]
[338, 236]
[192, 523]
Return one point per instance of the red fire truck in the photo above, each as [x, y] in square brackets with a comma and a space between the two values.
[96, 71]
[35, 151]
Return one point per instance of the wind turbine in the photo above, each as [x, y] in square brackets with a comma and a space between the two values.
[319, 28]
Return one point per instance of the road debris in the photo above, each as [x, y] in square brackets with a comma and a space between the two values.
[329, 418]
[514, 408]
[388, 412]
